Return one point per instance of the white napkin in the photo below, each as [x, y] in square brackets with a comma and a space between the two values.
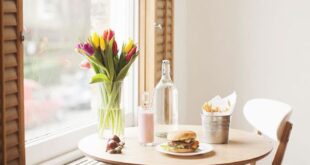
[220, 106]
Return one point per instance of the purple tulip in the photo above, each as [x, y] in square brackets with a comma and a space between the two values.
[88, 49]
[85, 48]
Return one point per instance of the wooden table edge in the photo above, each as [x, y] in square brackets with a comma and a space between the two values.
[248, 161]
[106, 161]
[232, 163]
[241, 162]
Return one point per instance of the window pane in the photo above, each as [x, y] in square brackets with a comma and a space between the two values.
[57, 90]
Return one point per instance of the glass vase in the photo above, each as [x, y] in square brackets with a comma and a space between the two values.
[111, 116]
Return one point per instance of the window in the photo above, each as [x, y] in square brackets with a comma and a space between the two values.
[57, 93]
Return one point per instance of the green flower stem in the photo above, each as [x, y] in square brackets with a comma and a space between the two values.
[110, 112]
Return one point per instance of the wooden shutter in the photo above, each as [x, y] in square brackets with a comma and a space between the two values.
[11, 90]
[156, 41]
[163, 35]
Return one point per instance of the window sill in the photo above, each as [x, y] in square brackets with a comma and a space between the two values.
[62, 147]
[55, 146]
[64, 158]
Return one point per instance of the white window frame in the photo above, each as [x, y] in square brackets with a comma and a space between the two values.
[51, 148]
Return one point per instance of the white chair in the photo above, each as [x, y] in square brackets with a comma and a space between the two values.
[270, 118]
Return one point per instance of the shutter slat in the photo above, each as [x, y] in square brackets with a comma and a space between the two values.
[160, 21]
[10, 74]
[9, 7]
[169, 38]
[12, 140]
[169, 56]
[160, 14]
[12, 114]
[169, 5]
[9, 19]
[11, 101]
[160, 33]
[160, 5]
[159, 59]
[164, 4]
[159, 49]
[10, 87]
[11, 127]
[9, 33]
[169, 47]
[13, 153]
[169, 13]
[169, 21]
[14, 162]
[160, 39]
[10, 60]
[169, 30]
[9, 47]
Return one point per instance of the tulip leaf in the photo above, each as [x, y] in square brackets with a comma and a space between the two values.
[97, 63]
[122, 62]
[110, 59]
[116, 61]
[100, 77]
[97, 55]
[104, 57]
[122, 74]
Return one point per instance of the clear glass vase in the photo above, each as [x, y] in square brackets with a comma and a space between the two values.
[109, 105]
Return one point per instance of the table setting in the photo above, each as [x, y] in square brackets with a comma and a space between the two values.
[158, 137]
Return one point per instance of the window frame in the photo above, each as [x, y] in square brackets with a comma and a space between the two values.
[51, 147]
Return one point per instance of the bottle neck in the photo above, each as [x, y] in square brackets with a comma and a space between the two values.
[165, 74]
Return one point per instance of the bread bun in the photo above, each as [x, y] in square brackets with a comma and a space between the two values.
[181, 135]
[183, 150]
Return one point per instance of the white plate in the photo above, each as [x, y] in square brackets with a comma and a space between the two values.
[203, 148]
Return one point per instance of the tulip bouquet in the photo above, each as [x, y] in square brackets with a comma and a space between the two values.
[110, 67]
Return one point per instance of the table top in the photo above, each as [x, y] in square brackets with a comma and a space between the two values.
[243, 147]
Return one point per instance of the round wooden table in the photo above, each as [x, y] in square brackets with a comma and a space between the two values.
[242, 148]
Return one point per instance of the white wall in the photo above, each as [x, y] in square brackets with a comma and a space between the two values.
[260, 48]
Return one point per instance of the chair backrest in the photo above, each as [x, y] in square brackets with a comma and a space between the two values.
[268, 116]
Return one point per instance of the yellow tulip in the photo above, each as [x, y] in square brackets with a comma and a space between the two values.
[128, 45]
[95, 40]
[102, 43]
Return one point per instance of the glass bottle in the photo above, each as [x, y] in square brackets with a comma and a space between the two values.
[165, 102]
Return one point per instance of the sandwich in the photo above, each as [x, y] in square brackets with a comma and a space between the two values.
[182, 141]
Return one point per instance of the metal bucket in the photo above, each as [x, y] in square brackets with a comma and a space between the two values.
[215, 128]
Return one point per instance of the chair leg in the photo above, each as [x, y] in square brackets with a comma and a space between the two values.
[283, 143]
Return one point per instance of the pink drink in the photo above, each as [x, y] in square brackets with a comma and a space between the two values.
[146, 126]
